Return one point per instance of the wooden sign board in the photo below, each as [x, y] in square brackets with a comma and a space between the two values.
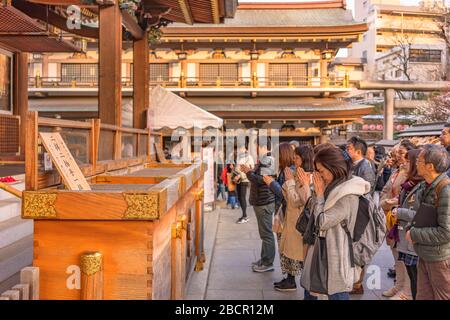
[66, 165]
[160, 153]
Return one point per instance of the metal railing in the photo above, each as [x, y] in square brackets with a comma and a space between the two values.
[203, 82]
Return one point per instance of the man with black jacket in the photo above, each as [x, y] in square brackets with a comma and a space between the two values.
[263, 201]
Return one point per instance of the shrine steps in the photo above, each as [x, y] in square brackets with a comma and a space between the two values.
[16, 238]
[15, 257]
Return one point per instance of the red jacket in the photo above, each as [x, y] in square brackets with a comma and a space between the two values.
[223, 176]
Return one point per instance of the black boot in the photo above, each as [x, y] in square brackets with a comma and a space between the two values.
[287, 284]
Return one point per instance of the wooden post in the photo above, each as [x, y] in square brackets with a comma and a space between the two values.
[95, 138]
[11, 294]
[110, 63]
[184, 73]
[24, 291]
[323, 72]
[199, 250]
[20, 96]
[91, 265]
[30, 276]
[176, 293]
[141, 88]
[31, 152]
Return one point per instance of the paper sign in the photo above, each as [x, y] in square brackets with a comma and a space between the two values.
[208, 184]
[48, 165]
[66, 165]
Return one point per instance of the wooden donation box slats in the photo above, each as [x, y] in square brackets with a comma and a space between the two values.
[133, 236]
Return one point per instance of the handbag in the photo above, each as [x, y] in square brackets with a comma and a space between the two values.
[427, 215]
[303, 219]
[277, 222]
[319, 266]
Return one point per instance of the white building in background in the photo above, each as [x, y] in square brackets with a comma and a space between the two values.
[391, 25]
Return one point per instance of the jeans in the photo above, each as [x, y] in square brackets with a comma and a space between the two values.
[264, 215]
[336, 296]
[221, 191]
[233, 201]
[339, 296]
[242, 197]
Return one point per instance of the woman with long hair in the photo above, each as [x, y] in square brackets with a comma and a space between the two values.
[405, 213]
[389, 199]
[243, 158]
[337, 194]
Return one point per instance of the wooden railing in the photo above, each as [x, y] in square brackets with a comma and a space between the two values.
[199, 82]
[97, 148]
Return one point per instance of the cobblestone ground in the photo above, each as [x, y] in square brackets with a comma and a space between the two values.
[231, 248]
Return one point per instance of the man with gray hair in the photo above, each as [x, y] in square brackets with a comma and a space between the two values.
[430, 229]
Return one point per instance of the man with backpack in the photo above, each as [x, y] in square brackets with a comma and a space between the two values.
[357, 149]
[430, 229]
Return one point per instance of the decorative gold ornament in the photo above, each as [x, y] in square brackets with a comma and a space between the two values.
[141, 206]
[176, 230]
[39, 205]
[199, 194]
[91, 263]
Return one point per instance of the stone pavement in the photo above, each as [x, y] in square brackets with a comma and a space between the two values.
[230, 249]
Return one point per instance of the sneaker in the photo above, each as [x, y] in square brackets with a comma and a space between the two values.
[242, 220]
[286, 286]
[391, 292]
[262, 268]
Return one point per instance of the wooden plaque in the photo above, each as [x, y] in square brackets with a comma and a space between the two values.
[160, 153]
[66, 165]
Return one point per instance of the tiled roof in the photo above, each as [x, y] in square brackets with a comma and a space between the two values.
[287, 18]
[12, 20]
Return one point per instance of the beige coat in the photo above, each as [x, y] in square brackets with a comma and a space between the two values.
[291, 242]
[393, 187]
[341, 205]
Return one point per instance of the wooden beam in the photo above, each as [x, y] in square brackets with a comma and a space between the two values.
[186, 11]
[110, 58]
[140, 82]
[215, 11]
[131, 25]
[80, 3]
[39, 11]
[21, 96]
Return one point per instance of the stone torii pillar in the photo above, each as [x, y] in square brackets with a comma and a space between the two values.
[388, 132]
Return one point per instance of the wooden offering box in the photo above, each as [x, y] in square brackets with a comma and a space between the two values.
[136, 235]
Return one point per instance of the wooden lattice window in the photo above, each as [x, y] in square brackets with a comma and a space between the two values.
[5, 82]
[80, 72]
[9, 134]
[288, 73]
[222, 71]
[159, 72]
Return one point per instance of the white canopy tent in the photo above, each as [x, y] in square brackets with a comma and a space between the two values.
[168, 110]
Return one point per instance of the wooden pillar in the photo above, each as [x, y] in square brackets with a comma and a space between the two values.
[389, 95]
[183, 73]
[91, 265]
[254, 72]
[140, 82]
[20, 106]
[323, 72]
[110, 56]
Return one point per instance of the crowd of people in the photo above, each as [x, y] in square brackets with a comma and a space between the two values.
[310, 206]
